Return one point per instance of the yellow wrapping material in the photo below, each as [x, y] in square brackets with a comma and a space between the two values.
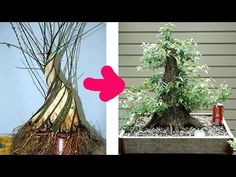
[6, 141]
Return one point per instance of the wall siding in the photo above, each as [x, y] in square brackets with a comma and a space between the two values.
[216, 42]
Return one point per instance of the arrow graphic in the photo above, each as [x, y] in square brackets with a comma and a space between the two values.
[110, 86]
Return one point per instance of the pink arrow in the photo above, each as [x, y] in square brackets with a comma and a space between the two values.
[110, 86]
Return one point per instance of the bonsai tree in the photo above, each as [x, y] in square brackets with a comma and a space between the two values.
[169, 97]
[44, 54]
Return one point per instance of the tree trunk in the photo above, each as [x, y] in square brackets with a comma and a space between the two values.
[58, 117]
[176, 117]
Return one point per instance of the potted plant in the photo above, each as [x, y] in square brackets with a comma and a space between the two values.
[57, 127]
[168, 98]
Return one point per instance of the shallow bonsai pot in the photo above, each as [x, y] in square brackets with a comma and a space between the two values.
[176, 145]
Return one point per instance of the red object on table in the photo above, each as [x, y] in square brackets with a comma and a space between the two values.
[220, 112]
[213, 114]
[217, 114]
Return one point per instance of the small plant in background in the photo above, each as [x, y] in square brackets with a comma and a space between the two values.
[232, 144]
[169, 97]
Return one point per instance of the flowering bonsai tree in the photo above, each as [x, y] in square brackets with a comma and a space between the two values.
[169, 97]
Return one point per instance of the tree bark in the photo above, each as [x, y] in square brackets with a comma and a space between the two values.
[176, 117]
[57, 117]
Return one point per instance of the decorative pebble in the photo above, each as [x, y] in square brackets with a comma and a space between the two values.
[209, 130]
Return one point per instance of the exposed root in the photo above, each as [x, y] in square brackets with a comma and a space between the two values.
[81, 142]
[176, 118]
[29, 142]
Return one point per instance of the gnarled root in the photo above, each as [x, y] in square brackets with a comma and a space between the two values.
[176, 118]
[29, 142]
[82, 142]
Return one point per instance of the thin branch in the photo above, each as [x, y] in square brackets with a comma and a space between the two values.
[51, 45]
[24, 30]
[26, 58]
[55, 36]
[19, 67]
[30, 47]
[42, 93]
[72, 40]
[15, 46]
[32, 64]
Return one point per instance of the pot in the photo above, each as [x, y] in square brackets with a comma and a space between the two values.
[173, 145]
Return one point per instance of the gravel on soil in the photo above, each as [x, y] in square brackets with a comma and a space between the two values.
[207, 130]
